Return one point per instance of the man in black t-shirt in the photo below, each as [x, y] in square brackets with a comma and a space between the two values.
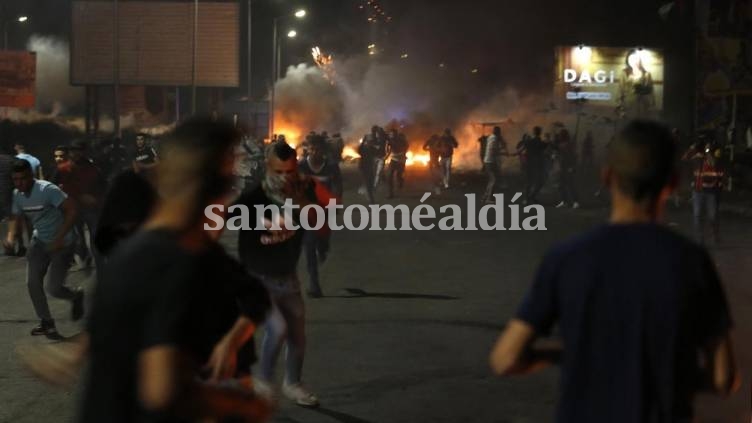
[145, 157]
[170, 301]
[642, 316]
[534, 149]
[276, 266]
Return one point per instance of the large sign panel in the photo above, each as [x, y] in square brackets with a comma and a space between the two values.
[17, 79]
[627, 79]
[155, 43]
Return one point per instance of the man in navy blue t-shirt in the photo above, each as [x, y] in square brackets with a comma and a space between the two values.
[641, 313]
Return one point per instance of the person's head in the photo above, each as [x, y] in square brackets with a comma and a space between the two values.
[19, 148]
[77, 150]
[537, 131]
[60, 154]
[281, 168]
[641, 164]
[140, 140]
[23, 179]
[317, 150]
[197, 163]
[497, 131]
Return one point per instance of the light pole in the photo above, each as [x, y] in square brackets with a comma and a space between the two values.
[300, 14]
[290, 34]
[6, 23]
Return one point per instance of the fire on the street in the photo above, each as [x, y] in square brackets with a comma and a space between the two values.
[349, 154]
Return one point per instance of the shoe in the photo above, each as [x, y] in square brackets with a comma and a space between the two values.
[77, 308]
[560, 205]
[576, 205]
[300, 395]
[46, 328]
[265, 390]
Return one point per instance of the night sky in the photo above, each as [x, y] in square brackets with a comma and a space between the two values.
[510, 42]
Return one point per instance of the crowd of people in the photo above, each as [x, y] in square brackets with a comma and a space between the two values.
[169, 336]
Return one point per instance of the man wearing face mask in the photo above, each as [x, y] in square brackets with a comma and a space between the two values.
[276, 266]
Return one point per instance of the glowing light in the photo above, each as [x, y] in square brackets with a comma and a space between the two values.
[23, 18]
[474, 70]
[404, 56]
[292, 34]
[325, 63]
[300, 14]
[441, 65]
[582, 56]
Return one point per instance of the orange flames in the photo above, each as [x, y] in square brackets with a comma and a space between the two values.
[413, 159]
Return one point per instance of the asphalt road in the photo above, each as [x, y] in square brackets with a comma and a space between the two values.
[404, 331]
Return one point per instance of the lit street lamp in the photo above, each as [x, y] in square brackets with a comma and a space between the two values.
[6, 24]
[300, 14]
[292, 34]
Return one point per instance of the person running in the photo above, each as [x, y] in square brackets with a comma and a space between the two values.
[36, 165]
[83, 182]
[496, 147]
[535, 150]
[567, 153]
[398, 148]
[446, 146]
[640, 309]
[707, 185]
[367, 153]
[276, 266]
[316, 245]
[379, 145]
[52, 215]
[434, 167]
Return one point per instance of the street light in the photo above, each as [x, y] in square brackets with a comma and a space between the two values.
[292, 34]
[20, 19]
[300, 14]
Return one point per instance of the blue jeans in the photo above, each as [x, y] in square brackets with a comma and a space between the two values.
[705, 207]
[285, 323]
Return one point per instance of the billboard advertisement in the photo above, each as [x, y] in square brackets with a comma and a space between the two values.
[629, 80]
[155, 43]
[17, 79]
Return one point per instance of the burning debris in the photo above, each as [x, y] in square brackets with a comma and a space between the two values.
[325, 63]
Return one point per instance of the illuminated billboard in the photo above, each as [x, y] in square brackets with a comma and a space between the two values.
[629, 80]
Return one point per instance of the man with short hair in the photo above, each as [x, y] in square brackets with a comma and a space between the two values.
[640, 309]
[36, 165]
[398, 148]
[707, 184]
[85, 185]
[276, 266]
[447, 145]
[145, 157]
[496, 147]
[535, 149]
[327, 173]
[52, 216]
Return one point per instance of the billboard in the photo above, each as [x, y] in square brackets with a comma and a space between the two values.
[629, 80]
[17, 79]
[155, 43]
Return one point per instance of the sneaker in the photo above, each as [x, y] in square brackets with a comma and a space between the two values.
[77, 307]
[300, 395]
[576, 205]
[46, 328]
[560, 205]
[265, 390]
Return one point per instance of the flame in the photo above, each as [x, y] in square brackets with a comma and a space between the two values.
[413, 159]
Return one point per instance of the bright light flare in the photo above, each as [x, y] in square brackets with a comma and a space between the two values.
[292, 34]
[325, 63]
[23, 18]
[300, 14]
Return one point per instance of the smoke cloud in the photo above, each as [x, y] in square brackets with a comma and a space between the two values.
[423, 101]
[54, 92]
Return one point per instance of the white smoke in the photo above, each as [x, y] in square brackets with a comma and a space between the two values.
[54, 92]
